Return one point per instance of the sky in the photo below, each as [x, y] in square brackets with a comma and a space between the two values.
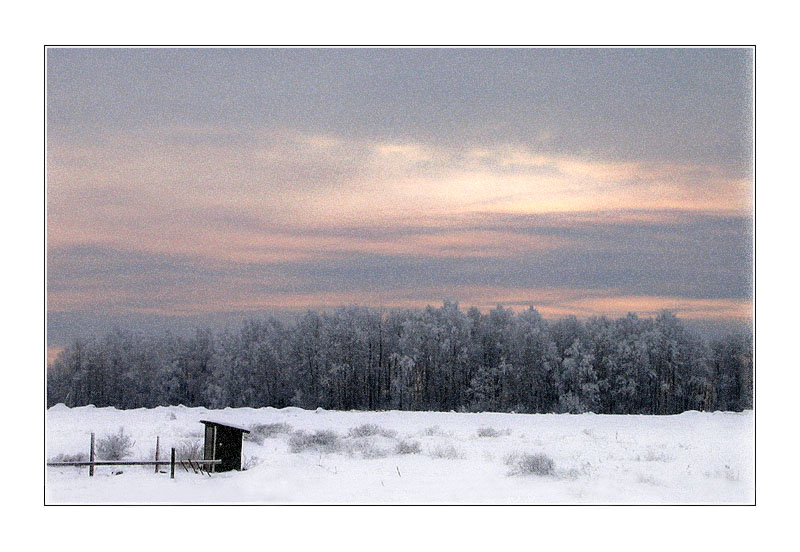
[186, 186]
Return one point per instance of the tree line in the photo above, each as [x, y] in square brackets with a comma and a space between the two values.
[433, 359]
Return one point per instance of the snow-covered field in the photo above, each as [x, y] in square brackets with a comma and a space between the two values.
[689, 458]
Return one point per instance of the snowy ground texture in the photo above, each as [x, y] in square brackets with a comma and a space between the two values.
[460, 459]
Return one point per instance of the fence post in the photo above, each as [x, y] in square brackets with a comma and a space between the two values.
[172, 464]
[156, 453]
[91, 456]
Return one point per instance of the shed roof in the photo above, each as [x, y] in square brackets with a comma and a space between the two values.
[225, 424]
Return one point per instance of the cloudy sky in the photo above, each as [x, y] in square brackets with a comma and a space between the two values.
[189, 184]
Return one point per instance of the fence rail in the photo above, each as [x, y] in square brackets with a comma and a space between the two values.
[202, 465]
[130, 462]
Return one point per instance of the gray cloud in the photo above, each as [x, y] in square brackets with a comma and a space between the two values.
[179, 178]
[690, 105]
[697, 256]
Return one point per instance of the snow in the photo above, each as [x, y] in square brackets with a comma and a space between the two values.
[689, 458]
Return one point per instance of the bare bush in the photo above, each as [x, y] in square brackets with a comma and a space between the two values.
[364, 430]
[648, 479]
[250, 462]
[407, 447]
[115, 446]
[77, 457]
[432, 431]
[367, 448]
[189, 449]
[259, 432]
[370, 430]
[530, 464]
[448, 452]
[324, 441]
[492, 432]
[654, 456]
[253, 437]
[374, 452]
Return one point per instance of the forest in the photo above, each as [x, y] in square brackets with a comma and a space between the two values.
[433, 359]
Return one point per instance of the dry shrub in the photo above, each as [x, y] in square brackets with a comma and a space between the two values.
[648, 479]
[530, 464]
[253, 437]
[492, 432]
[115, 446]
[77, 457]
[447, 452]
[654, 456]
[250, 462]
[370, 430]
[366, 448]
[323, 441]
[364, 430]
[407, 447]
[189, 449]
[259, 432]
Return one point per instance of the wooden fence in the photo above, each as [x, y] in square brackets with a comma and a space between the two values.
[197, 466]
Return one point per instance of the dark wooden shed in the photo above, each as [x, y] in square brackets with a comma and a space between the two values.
[223, 442]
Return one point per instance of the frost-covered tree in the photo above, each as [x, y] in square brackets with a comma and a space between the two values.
[436, 359]
[578, 389]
